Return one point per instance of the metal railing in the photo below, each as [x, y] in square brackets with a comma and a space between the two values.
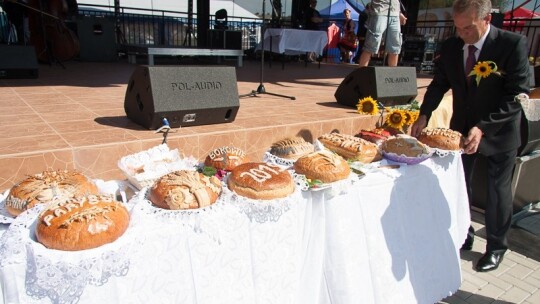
[138, 26]
[441, 30]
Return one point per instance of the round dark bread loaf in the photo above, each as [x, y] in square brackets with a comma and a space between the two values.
[81, 223]
[259, 180]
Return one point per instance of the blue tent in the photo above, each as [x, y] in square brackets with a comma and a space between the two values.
[335, 10]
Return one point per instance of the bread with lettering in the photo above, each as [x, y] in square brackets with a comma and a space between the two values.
[81, 223]
[322, 165]
[185, 189]
[43, 187]
[263, 181]
[406, 146]
[351, 147]
[442, 138]
[291, 148]
[225, 158]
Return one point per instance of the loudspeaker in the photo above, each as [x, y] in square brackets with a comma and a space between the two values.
[185, 96]
[525, 188]
[18, 61]
[388, 85]
[97, 38]
[225, 39]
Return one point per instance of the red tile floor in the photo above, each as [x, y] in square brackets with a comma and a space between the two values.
[74, 117]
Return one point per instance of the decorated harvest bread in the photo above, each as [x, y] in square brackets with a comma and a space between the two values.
[351, 147]
[441, 138]
[405, 145]
[376, 136]
[43, 187]
[185, 189]
[225, 158]
[322, 165]
[81, 223]
[261, 181]
[291, 148]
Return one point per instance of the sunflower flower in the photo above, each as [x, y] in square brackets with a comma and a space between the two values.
[367, 106]
[483, 69]
[396, 119]
[410, 117]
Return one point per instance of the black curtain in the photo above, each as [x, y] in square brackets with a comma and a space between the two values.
[297, 12]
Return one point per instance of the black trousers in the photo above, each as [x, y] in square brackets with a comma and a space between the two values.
[499, 205]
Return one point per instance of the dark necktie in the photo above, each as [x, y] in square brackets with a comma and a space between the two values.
[471, 60]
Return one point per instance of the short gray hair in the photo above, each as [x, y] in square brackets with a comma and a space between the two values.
[482, 7]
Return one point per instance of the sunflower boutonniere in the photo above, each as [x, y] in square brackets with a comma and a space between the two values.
[483, 69]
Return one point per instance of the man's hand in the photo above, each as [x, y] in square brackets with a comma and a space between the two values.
[402, 19]
[419, 125]
[472, 141]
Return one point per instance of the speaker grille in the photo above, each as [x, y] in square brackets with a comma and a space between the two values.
[185, 96]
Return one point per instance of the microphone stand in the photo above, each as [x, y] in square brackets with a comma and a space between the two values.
[260, 88]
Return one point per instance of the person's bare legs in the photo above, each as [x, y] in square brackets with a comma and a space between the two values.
[392, 60]
[364, 59]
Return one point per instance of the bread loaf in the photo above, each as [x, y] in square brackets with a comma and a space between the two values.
[405, 145]
[185, 189]
[262, 181]
[441, 138]
[291, 148]
[322, 165]
[376, 136]
[81, 223]
[350, 147]
[43, 187]
[225, 158]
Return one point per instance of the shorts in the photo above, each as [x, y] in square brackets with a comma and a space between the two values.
[376, 28]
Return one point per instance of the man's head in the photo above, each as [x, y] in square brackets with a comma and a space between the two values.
[471, 19]
[312, 3]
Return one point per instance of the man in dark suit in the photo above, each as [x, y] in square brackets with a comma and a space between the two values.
[484, 110]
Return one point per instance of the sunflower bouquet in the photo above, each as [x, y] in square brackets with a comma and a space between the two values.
[398, 118]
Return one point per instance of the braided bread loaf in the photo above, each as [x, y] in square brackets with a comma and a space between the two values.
[45, 186]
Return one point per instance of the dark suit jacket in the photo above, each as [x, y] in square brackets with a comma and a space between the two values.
[490, 106]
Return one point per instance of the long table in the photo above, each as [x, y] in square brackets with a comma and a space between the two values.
[391, 237]
[294, 42]
[134, 50]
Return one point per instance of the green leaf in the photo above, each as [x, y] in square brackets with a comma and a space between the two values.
[209, 171]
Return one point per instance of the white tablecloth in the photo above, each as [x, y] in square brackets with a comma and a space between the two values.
[294, 42]
[392, 237]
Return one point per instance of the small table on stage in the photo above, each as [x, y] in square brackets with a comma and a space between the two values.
[294, 42]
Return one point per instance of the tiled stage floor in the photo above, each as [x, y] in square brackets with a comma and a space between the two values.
[74, 118]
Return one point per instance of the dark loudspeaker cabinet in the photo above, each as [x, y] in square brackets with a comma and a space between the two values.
[224, 39]
[525, 188]
[18, 61]
[97, 39]
[388, 85]
[185, 96]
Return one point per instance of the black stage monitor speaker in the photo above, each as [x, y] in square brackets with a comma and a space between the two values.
[18, 61]
[388, 85]
[185, 96]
